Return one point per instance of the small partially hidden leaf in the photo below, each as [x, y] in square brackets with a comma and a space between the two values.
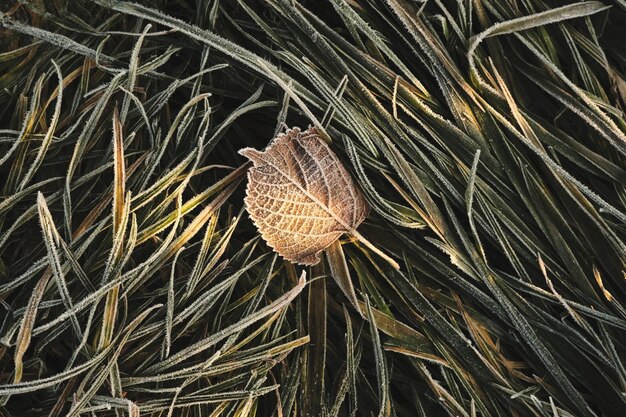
[302, 198]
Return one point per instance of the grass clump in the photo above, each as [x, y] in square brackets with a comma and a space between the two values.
[488, 136]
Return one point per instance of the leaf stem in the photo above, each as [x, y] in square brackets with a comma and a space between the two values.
[370, 245]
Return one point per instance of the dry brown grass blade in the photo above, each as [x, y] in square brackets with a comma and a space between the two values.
[119, 186]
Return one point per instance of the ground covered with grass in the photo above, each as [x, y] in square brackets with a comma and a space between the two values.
[488, 137]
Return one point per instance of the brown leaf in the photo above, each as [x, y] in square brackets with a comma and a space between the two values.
[300, 196]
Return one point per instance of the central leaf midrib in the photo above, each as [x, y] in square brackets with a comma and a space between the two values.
[312, 197]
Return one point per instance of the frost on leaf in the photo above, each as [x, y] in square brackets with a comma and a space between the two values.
[300, 196]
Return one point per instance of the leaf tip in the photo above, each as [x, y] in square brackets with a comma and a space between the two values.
[250, 153]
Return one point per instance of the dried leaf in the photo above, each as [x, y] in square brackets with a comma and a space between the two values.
[301, 197]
